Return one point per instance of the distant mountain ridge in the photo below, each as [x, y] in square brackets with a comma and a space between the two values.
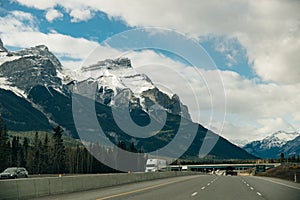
[36, 95]
[275, 144]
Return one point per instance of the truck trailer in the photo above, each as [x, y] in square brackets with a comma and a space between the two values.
[156, 165]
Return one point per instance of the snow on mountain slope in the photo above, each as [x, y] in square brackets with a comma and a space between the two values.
[277, 139]
[286, 136]
[116, 74]
[118, 83]
[6, 85]
[273, 145]
[6, 57]
[24, 69]
[292, 147]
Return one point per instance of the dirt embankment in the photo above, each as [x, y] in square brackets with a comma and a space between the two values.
[284, 171]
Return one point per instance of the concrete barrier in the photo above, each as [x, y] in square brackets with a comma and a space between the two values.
[38, 187]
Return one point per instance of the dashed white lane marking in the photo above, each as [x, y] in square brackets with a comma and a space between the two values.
[259, 194]
[247, 184]
[202, 188]
[208, 184]
[251, 188]
[194, 194]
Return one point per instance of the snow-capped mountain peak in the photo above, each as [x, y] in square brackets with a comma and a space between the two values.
[116, 75]
[273, 145]
[118, 82]
[286, 136]
[272, 141]
[112, 64]
[24, 69]
[278, 139]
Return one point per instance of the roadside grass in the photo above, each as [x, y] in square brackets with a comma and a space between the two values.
[284, 171]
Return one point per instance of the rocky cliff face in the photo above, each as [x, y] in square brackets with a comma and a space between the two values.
[119, 85]
[172, 105]
[30, 67]
[2, 48]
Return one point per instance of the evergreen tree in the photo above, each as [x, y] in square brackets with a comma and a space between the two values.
[4, 146]
[59, 153]
[45, 155]
[132, 148]
[24, 153]
[15, 157]
[281, 157]
[122, 145]
[36, 155]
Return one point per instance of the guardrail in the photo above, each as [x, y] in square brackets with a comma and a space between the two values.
[38, 187]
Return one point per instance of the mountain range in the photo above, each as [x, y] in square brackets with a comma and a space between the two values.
[272, 146]
[37, 95]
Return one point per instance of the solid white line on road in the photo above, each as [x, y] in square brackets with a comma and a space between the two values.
[194, 194]
[202, 188]
[290, 186]
[259, 194]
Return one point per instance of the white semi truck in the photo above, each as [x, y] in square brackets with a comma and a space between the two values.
[155, 165]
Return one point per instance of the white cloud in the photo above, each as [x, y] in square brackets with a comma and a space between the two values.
[80, 15]
[277, 124]
[15, 20]
[53, 14]
[41, 4]
[19, 29]
[78, 10]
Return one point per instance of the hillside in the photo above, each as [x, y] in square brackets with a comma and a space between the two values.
[44, 97]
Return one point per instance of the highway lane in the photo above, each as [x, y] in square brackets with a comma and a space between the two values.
[214, 187]
[195, 187]
[272, 188]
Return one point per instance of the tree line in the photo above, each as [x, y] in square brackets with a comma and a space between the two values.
[48, 154]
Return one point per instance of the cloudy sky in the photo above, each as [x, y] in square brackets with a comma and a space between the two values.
[254, 45]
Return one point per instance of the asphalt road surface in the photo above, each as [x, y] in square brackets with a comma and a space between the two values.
[195, 187]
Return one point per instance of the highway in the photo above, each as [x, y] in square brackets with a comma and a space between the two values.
[194, 187]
